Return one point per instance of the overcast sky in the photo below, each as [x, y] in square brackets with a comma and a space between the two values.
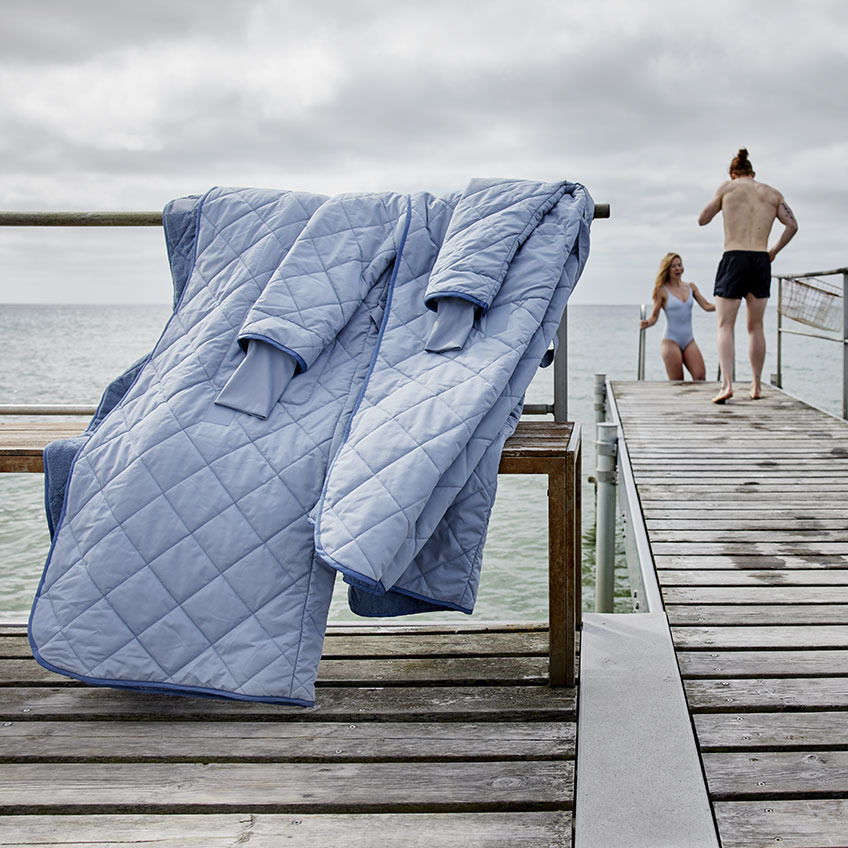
[125, 104]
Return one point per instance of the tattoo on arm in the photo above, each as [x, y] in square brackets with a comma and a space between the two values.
[787, 211]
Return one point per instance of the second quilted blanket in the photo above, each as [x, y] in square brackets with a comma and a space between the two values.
[331, 394]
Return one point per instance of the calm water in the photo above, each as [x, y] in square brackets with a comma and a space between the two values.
[67, 354]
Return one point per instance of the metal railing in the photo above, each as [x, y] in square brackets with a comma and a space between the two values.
[559, 407]
[615, 481]
[824, 306]
[640, 368]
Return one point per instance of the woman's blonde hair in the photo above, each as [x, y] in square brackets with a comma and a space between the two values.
[663, 273]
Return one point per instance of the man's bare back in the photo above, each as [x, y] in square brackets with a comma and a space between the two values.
[749, 210]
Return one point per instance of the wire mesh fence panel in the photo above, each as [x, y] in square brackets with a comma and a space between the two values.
[817, 303]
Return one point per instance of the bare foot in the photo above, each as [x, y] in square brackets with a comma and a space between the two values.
[756, 394]
[723, 395]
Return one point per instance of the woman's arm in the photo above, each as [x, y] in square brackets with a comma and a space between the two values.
[701, 300]
[659, 302]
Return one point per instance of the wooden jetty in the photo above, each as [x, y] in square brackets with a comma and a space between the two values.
[420, 735]
[453, 736]
[746, 510]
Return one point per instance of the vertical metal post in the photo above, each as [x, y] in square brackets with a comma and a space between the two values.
[600, 398]
[605, 462]
[640, 370]
[561, 371]
[845, 344]
[777, 379]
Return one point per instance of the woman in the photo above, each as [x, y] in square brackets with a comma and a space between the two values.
[679, 348]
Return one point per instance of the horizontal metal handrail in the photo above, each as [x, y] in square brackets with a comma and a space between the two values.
[809, 274]
[643, 577]
[81, 219]
[46, 409]
[785, 331]
[124, 219]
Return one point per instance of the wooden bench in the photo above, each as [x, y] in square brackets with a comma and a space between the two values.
[536, 447]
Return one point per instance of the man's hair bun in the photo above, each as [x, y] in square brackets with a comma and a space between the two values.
[741, 164]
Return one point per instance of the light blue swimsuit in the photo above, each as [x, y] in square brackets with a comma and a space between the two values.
[678, 319]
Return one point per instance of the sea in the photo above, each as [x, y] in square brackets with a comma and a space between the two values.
[67, 354]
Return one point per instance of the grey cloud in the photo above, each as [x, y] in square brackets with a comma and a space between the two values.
[57, 31]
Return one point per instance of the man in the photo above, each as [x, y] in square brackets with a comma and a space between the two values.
[749, 209]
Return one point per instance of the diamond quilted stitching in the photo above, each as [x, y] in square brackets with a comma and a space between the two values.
[237, 564]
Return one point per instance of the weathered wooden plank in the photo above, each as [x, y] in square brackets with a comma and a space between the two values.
[14, 647]
[530, 631]
[773, 693]
[786, 480]
[23, 438]
[271, 741]
[811, 823]
[813, 549]
[785, 636]
[809, 663]
[721, 467]
[776, 774]
[411, 640]
[758, 614]
[768, 594]
[438, 644]
[355, 643]
[753, 448]
[394, 703]
[737, 578]
[667, 516]
[403, 671]
[707, 488]
[751, 561]
[266, 830]
[285, 787]
[778, 525]
[771, 731]
[738, 535]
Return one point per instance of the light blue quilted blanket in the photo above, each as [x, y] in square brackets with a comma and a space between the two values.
[331, 394]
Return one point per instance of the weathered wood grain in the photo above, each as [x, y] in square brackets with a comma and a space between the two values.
[397, 703]
[813, 549]
[403, 671]
[763, 594]
[776, 774]
[733, 535]
[464, 737]
[288, 741]
[752, 561]
[741, 519]
[669, 577]
[755, 491]
[811, 823]
[784, 636]
[282, 787]
[267, 830]
[757, 614]
[435, 645]
[803, 731]
[806, 663]
[772, 693]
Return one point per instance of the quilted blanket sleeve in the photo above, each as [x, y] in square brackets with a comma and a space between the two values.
[294, 422]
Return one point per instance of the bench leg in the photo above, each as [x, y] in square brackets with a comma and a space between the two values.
[561, 583]
[574, 526]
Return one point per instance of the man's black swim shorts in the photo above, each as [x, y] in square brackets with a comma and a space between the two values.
[742, 272]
